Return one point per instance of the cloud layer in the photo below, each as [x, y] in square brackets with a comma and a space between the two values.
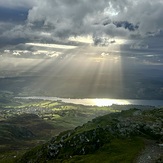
[57, 20]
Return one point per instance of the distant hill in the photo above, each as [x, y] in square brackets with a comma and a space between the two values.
[31, 122]
[22, 132]
[116, 137]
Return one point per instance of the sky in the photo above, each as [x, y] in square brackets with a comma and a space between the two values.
[60, 21]
[126, 32]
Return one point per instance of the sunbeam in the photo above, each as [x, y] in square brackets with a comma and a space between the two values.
[85, 71]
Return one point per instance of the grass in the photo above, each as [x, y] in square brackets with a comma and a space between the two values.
[118, 151]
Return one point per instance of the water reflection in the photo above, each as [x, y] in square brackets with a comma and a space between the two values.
[109, 102]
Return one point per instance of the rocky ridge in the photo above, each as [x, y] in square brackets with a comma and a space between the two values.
[92, 136]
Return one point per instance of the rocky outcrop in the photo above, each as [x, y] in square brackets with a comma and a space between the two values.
[137, 124]
[101, 131]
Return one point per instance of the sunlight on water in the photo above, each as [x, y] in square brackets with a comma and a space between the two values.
[109, 102]
[86, 101]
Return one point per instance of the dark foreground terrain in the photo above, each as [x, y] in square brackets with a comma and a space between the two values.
[37, 131]
[116, 137]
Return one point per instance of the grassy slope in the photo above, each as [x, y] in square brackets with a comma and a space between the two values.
[119, 150]
[113, 147]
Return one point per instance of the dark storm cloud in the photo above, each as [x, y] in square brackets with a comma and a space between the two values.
[13, 15]
[73, 18]
[80, 17]
[10, 19]
[18, 3]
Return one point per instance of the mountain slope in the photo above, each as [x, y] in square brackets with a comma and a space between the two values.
[116, 137]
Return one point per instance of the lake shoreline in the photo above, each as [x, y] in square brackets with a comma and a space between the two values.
[99, 101]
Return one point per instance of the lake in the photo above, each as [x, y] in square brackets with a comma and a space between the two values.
[100, 101]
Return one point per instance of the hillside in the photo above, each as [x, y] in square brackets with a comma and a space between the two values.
[115, 137]
[20, 133]
[27, 123]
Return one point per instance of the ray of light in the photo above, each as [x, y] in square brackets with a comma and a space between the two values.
[58, 70]
[107, 78]
[19, 66]
[84, 71]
